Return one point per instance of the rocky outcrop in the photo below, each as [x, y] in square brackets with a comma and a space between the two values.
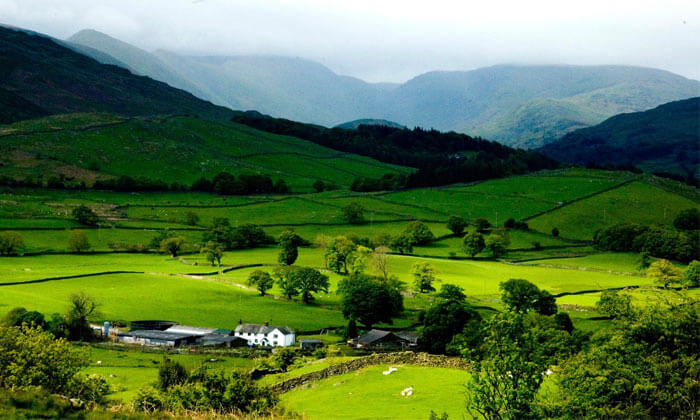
[401, 358]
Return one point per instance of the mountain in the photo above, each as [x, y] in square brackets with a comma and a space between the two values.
[662, 139]
[39, 76]
[354, 125]
[523, 106]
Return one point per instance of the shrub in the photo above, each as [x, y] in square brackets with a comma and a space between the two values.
[170, 374]
[85, 216]
[78, 241]
[10, 243]
[354, 213]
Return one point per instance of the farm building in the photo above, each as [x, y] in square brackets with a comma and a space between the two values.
[382, 339]
[156, 338]
[265, 335]
[184, 329]
[310, 343]
[218, 340]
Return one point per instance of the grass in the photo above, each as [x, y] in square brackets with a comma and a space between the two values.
[128, 370]
[185, 149]
[634, 203]
[187, 300]
[367, 394]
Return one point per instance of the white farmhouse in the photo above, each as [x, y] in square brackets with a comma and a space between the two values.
[265, 335]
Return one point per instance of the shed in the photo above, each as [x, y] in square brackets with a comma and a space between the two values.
[184, 329]
[380, 339]
[155, 338]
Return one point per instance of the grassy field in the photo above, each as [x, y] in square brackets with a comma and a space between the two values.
[367, 394]
[635, 203]
[194, 147]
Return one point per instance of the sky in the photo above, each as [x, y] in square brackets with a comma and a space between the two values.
[391, 40]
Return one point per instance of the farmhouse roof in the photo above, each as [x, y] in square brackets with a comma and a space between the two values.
[409, 336]
[261, 329]
[373, 336]
[184, 329]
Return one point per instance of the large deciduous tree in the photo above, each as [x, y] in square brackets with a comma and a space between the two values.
[369, 299]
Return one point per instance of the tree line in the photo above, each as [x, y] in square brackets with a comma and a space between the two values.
[440, 158]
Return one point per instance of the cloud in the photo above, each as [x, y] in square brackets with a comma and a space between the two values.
[388, 39]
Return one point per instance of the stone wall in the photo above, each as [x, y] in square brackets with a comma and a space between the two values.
[401, 358]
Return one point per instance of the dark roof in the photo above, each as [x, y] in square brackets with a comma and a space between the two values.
[408, 336]
[373, 336]
[310, 340]
[156, 335]
[261, 329]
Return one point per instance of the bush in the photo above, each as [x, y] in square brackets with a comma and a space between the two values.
[89, 388]
[78, 241]
[170, 374]
[687, 220]
[31, 357]
[354, 213]
[419, 232]
[85, 216]
[10, 243]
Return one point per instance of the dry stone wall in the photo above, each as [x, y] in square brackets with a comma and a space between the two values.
[401, 358]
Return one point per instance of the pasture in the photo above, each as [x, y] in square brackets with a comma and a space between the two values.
[367, 394]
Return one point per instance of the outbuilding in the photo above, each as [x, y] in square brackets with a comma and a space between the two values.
[380, 339]
[310, 343]
[155, 338]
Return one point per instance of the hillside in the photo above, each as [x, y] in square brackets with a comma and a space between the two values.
[88, 147]
[663, 139]
[523, 106]
[40, 77]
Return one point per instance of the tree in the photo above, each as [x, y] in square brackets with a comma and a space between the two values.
[452, 293]
[261, 280]
[354, 213]
[85, 216]
[191, 218]
[82, 307]
[308, 281]
[18, 316]
[555, 232]
[357, 261]
[213, 252]
[337, 253]
[172, 245]
[508, 376]
[369, 299]
[423, 277]
[319, 186]
[614, 304]
[482, 225]
[403, 244]
[419, 232]
[643, 367]
[643, 261]
[288, 242]
[351, 331]
[171, 373]
[380, 261]
[160, 237]
[691, 276]
[78, 241]
[456, 224]
[33, 358]
[10, 243]
[444, 320]
[664, 272]
[497, 242]
[288, 286]
[521, 296]
[473, 243]
[687, 220]
[220, 231]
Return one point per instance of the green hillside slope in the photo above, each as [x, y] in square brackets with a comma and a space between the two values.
[663, 139]
[171, 149]
[41, 74]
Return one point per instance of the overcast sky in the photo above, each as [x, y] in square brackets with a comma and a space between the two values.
[391, 40]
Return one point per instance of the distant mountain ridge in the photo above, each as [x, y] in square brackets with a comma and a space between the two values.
[354, 125]
[524, 106]
[662, 139]
[40, 76]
